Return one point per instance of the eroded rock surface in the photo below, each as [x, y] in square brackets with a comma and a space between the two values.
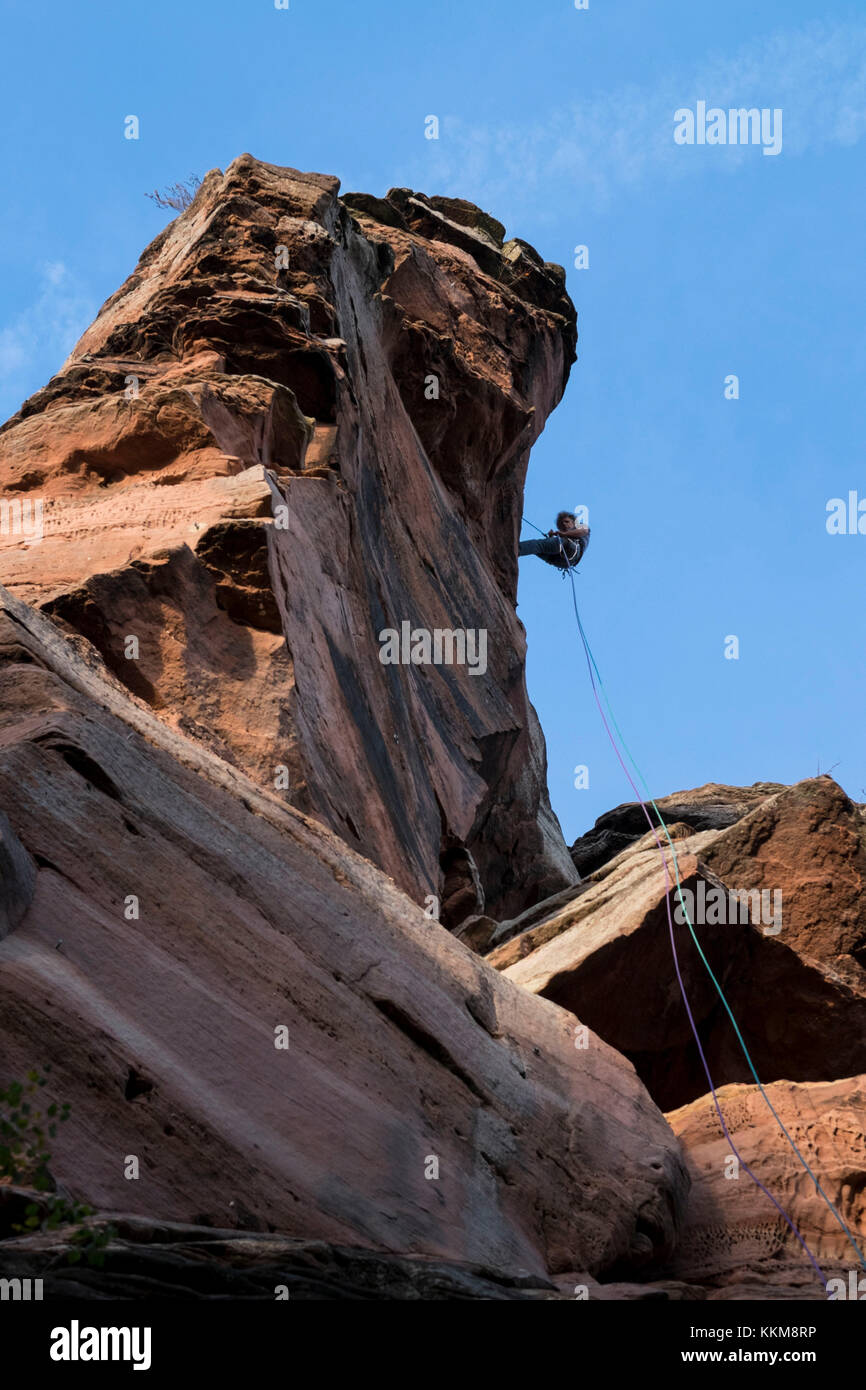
[305, 419]
[808, 845]
[789, 965]
[300, 422]
[180, 917]
[735, 1242]
[144, 1259]
[711, 807]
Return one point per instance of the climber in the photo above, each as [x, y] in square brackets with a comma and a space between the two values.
[564, 548]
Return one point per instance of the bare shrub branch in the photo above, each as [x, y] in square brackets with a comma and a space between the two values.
[177, 196]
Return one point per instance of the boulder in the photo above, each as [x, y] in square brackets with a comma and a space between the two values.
[710, 807]
[808, 846]
[605, 954]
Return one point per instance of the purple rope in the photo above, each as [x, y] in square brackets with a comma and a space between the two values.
[652, 827]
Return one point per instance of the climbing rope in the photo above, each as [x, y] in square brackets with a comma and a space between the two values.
[593, 675]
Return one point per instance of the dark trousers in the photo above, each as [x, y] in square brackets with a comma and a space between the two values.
[552, 549]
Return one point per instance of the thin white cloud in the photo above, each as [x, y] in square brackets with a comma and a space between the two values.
[40, 337]
[815, 74]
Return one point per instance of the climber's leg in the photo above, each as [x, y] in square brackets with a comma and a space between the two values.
[545, 546]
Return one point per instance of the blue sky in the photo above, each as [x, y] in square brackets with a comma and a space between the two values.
[708, 515]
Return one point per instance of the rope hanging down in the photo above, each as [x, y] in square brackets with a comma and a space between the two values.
[593, 674]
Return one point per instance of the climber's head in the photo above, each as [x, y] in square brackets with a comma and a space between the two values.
[565, 521]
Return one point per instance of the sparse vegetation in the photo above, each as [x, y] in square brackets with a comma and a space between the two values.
[177, 196]
[24, 1158]
[24, 1130]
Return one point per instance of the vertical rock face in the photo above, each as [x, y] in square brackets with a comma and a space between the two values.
[303, 421]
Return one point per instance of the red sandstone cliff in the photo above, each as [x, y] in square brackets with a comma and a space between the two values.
[282, 488]
[302, 420]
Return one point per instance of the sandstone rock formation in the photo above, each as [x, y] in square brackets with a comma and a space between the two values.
[711, 807]
[734, 1243]
[809, 844]
[302, 421]
[794, 980]
[177, 915]
[144, 1259]
[796, 989]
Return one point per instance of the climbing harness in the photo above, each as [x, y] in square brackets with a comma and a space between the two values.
[570, 560]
